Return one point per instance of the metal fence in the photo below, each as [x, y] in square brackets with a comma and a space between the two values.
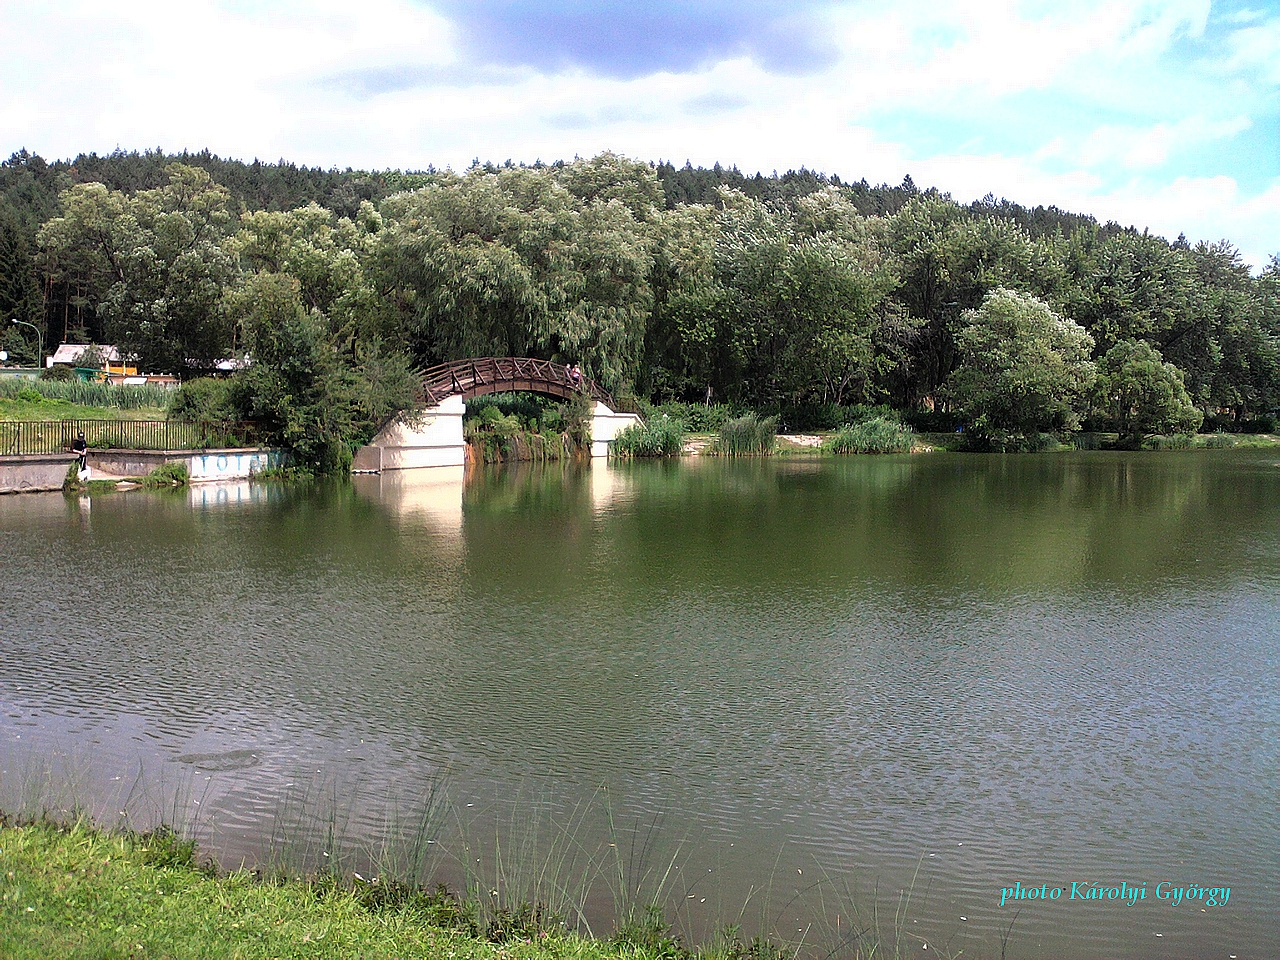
[56, 436]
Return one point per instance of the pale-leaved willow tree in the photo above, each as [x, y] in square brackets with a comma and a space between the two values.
[150, 265]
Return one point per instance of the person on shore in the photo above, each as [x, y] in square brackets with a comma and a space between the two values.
[81, 449]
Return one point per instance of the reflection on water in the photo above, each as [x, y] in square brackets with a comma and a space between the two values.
[971, 670]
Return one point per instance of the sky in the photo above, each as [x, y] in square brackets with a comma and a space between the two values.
[1163, 114]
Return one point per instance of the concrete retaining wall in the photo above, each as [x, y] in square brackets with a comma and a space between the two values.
[233, 463]
[228, 463]
[34, 472]
[131, 463]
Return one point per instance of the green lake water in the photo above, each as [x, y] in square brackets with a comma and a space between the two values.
[796, 692]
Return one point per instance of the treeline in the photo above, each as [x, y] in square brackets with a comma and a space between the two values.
[667, 283]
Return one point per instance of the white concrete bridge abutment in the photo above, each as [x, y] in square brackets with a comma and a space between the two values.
[434, 438]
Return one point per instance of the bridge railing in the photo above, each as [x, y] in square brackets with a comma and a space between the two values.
[500, 374]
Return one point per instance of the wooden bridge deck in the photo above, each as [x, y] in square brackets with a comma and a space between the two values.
[482, 375]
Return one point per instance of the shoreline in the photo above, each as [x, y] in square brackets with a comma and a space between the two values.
[75, 889]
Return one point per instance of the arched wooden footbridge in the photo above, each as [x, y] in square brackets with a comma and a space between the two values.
[432, 436]
[483, 375]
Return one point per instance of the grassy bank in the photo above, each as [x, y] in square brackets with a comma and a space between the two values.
[75, 891]
[81, 893]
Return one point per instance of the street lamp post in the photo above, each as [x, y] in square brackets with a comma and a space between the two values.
[39, 340]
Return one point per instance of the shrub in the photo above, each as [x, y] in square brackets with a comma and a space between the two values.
[1176, 441]
[747, 436]
[1009, 441]
[1218, 441]
[660, 437]
[933, 421]
[879, 435]
[58, 373]
[696, 417]
[170, 474]
[202, 399]
[827, 416]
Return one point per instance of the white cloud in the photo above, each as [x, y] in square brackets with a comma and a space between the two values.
[1143, 148]
[252, 80]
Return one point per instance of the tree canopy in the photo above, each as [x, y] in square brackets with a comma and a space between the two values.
[672, 283]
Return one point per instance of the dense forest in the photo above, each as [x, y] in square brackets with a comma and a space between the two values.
[664, 282]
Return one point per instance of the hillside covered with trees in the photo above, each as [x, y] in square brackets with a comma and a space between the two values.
[782, 292]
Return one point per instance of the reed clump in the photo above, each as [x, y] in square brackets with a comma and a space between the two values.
[746, 436]
[658, 437]
[877, 435]
[144, 396]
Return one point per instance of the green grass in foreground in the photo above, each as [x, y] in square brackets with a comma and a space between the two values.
[80, 893]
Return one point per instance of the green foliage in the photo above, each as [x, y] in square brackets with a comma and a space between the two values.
[1218, 441]
[1010, 441]
[437, 907]
[1140, 394]
[796, 294]
[1258, 425]
[204, 398]
[518, 426]
[877, 435]
[303, 391]
[530, 410]
[513, 263]
[657, 437]
[1023, 369]
[167, 475]
[58, 373]
[152, 262]
[746, 436]
[1177, 441]
[696, 417]
[72, 390]
[648, 933]
[164, 848]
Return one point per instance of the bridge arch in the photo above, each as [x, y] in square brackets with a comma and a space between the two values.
[432, 436]
[483, 375]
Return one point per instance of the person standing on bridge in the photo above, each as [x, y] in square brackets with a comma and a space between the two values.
[575, 376]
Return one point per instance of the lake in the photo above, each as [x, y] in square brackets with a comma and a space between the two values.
[808, 696]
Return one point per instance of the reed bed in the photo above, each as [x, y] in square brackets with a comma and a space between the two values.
[877, 435]
[659, 437]
[145, 396]
[746, 436]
